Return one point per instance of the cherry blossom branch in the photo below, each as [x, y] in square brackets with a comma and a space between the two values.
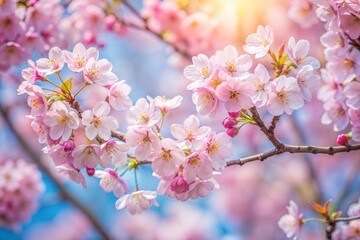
[269, 134]
[64, 193]
[346, 219]
[331, 224]
[330, 150]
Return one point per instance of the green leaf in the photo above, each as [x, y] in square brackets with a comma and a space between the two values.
[67, 85]
[282, 60]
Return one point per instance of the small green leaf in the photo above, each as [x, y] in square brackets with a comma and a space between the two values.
[282, 60]
[67, 85]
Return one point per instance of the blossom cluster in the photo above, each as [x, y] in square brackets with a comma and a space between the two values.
[27, 26]
[341, 90]
[88, 139]
[20, 188]
[350, 230]
[228, 78]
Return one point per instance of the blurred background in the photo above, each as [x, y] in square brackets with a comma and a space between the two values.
[251, 198]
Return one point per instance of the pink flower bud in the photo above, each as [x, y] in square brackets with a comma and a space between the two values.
[229, 122]
[89, 38]
[179, 185]
[342, 139]
[232, 132]
[234, 114]
[90, 171]
[68, 145]
[110, 22]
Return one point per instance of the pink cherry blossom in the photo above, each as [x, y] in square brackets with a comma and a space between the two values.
[201, 69]
[165, 104]
[60, 156]
[218, 148]
[260, 80]
[202, 188]
[352, 93]
[165, 161]
[307, 81]
[31, 74]
[345, 67]
[10, 26]
[175, 188]
[335, 112]
[144, 140]
[11, 53]
[179, 185]
[232, 64]
[197, 164]
[86, 155]
[354, 116]
[53, 64]
[236, 94]
[303, 13]
[41, 129]
[73, 173]
[61, 119]
[354, 209]
[113, 152]
[351, 231]
[291, 222]
[37, 101]
[330, 88]
[111, 182]
[119, 96]
[285, 96]
[190, 134]
[334, 42]
[259, 43]
[97, 121]
[298, 53]
[205, 100]
[355, 133]
[78, 58]
[99, 72]
[143, 113]
[137, 202]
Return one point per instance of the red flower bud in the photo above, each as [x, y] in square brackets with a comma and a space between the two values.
[229, 122]
[90, 171]
[234, 114]
[179, 185]
[232, 132]
[342, 139]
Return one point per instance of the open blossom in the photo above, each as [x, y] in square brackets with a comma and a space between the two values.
[61, 119]
[86, 155]
[73, 173]
[205, 100]
[144, 140]
[113, 152]
[307, 81]
[346, 67]
[97, 121]
[60, 156]
[285, 96]
[110, 181]
[165, 161]
[143, 113]
[291, 222]
[335, 112]
[31, 74]
[165, 104]
[352, 93]
[119, 96]
[236, 94]
[175, 188]
[197, 164]
[99, 72]
[78, 58]
[53, 64]
[259, 43]
[202, 188]
[298, 53]
[137, 202]
[190, 134]
[37, 101]
[201, 69]
[330, 89]
[354, 209]
[259, 79]
[218, 148]
[232, 64]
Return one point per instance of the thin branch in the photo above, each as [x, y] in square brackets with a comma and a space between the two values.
[330, 150]
[269, 134]
[346, 219]
[64, 193]
[274, 121]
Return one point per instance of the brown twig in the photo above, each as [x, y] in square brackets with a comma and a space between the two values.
[64, 193]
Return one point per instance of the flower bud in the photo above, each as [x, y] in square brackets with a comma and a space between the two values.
[90, 171]
[234, 114]
[229, 122]
[110, 22]
[179, 185]
[232, 132]
[342, 139]
[89, 38]
[68, 145]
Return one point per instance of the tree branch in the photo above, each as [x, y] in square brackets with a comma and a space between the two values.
[346, 219]
[330, 150]
[64, 193]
